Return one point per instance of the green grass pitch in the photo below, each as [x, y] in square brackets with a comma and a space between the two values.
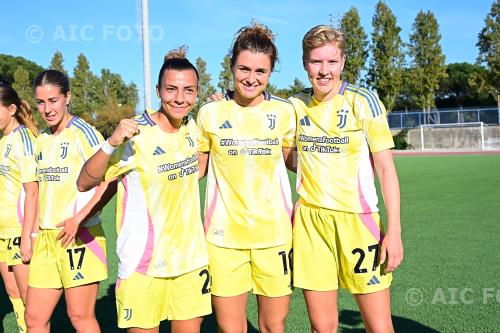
[449, 280]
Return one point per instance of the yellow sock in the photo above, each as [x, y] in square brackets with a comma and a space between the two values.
[18, 306]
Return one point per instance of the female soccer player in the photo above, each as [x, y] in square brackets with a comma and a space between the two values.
[69, 254]
[163, 259]
[338, 236]
[18, 190]
[246, 137]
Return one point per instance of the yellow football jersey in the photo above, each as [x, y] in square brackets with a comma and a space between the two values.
[158, 209]
[17, 166]
[60, 159]
[248, 199]
[335, 140]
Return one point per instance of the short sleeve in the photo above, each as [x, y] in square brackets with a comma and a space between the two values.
[289, 137]
[121, 161]
[25, 158]
[203, 136]
[90, 140]
[373, 117]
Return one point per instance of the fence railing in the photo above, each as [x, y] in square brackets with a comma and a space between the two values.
[398, 120]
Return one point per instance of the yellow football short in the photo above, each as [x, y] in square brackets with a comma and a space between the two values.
[266, 271]
[333, 248]
[143, 301]
[53, 266]
[10, 252]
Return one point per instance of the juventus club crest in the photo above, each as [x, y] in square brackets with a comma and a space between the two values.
[272, 121]
[7, 150]
[64, 150]
[190, 141]
[342, 114]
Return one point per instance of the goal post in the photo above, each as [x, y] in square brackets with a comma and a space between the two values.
[473, 135]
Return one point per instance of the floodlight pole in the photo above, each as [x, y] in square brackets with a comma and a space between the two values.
[145, 54]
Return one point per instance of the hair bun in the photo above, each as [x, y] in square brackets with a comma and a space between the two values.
[178, 53]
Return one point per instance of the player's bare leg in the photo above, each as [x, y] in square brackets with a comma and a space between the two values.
[375, 310]
[322, 309]
[272, 313]
[81, 307]
[40, 304]
[230, 313]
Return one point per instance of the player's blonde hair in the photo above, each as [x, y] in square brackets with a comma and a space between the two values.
[319, 36]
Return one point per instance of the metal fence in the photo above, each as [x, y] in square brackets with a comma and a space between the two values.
[398, 119]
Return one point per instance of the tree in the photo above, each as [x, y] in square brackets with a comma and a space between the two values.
[456, 90]
[427, 60]
[9, 64]
[225, 75]
[385, 71]
[206, 89]
[24, 88]
[57, 62]
[296, 86]
[355, 45]
[489, 53]
[112, 85]
[109, 115]
[22, 84]
[118, 101]
[85, 87]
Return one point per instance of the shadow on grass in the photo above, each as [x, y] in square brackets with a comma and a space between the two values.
[349, 318]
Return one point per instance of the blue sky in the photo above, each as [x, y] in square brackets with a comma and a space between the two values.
[106, 31]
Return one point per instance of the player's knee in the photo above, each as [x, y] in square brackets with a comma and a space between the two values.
[326, 325]
[35, 319]
[80, 319]
[12, 291]
[272, 325]
[380, 326]
[233, 327]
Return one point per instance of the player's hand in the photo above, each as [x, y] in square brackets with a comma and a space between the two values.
[391, 251]
[215, 97]
[126, 130]
[26, 249]
[70, 229]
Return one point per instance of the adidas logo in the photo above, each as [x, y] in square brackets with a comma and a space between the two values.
[78, 276]
[226, 124]
[158, 151]
[374, 280]
[39, 156]
[16, 256]
[305, 121]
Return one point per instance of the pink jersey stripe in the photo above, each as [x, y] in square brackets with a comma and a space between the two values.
[148, 251]
[210, 211]
[367, 217]
[372, 226]
[124, 202]
[20, 216]
[289, 209]
[89, 240]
